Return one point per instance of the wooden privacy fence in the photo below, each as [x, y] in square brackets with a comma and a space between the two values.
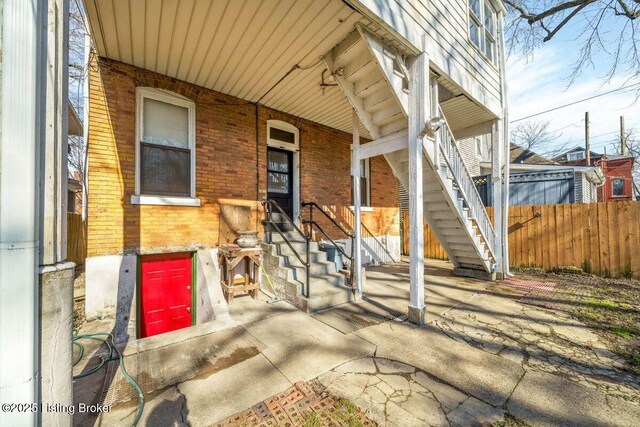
[76, 238]
[600, 238]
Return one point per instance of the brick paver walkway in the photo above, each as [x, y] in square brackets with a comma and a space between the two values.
[301, 405]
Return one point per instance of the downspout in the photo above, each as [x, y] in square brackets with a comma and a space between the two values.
[85, 124]
[23, 23]
[504, 94]
[257, 105]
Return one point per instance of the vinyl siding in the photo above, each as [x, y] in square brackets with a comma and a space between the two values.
[468, 152]
[445, 27]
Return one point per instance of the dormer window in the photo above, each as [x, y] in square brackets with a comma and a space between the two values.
[578, 155]
[482, 27]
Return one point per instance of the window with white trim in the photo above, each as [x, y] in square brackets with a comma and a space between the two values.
[478, 146]
[165, 164]
[617, 187]
[578, 155]
[283, 135]
[482, 27]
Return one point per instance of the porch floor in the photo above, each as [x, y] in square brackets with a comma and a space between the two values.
[483, 354]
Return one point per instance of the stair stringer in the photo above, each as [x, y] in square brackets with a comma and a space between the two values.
[455, 206]
[348, 56]
[385, 63]
[403, 177]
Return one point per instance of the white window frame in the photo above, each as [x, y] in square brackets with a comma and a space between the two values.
[575, 156]
[616, 179]
[367, 175]
[477, 144]
[483, 30]
[295, 148]
[288, 127]
[143, 93]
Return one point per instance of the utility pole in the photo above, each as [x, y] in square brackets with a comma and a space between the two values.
[623, 142]
[586, 138]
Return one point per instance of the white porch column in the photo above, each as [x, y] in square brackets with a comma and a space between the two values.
[357, 205]
[21, 111]
[418, 112]
[497, 154]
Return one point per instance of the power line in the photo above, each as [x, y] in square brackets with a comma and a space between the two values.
[576, 102]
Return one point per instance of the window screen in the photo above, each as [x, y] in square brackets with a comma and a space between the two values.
[278, 172]
[165, 171]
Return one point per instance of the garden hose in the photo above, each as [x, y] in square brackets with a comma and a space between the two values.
[274, 298]
[103, 360]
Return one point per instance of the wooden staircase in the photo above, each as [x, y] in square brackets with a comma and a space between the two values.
[375, 80]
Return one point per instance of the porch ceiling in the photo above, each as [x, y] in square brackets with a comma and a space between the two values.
[240, 48]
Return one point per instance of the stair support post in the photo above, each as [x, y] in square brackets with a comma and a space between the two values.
[419, 110]
[357, 211]
[497, 182]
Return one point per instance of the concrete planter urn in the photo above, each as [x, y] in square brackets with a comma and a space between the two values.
[247, 239]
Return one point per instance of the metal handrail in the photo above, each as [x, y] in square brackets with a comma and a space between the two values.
[268, 204]
[314, 204]
[464, 181]
[310, 222]
[350, 258]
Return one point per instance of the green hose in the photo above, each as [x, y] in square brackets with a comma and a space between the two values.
[104, 360]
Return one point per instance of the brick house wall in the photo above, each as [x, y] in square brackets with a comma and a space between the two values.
[226, 160]
[612, 168]
[616, 168]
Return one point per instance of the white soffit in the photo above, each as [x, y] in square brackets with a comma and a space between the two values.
[237, 47]
[462, 113]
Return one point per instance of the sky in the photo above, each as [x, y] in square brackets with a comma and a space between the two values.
[540, 83]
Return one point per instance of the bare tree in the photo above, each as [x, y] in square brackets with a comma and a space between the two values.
[533, 134]
[608, 29]
[77, 75]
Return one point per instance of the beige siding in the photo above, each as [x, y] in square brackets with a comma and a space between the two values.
[467, 147]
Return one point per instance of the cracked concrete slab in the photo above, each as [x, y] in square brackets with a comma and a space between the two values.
[480, 351]
[303, 348]
[400, 395]
[489, 377]
[544, 399]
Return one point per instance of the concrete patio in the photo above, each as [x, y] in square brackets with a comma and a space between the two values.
[481, 355]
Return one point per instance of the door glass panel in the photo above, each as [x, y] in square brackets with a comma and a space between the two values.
[278, 182]
[278, 161]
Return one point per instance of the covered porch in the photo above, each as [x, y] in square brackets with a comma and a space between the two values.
[299, 59]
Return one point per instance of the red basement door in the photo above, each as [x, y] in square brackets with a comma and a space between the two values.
[165, 293]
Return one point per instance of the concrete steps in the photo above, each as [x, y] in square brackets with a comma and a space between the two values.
[327, 287]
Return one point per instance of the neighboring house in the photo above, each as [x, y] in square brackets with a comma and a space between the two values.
[74, 183]
[618, 171]
[209, 109]
[74, 196]
[534, 179]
